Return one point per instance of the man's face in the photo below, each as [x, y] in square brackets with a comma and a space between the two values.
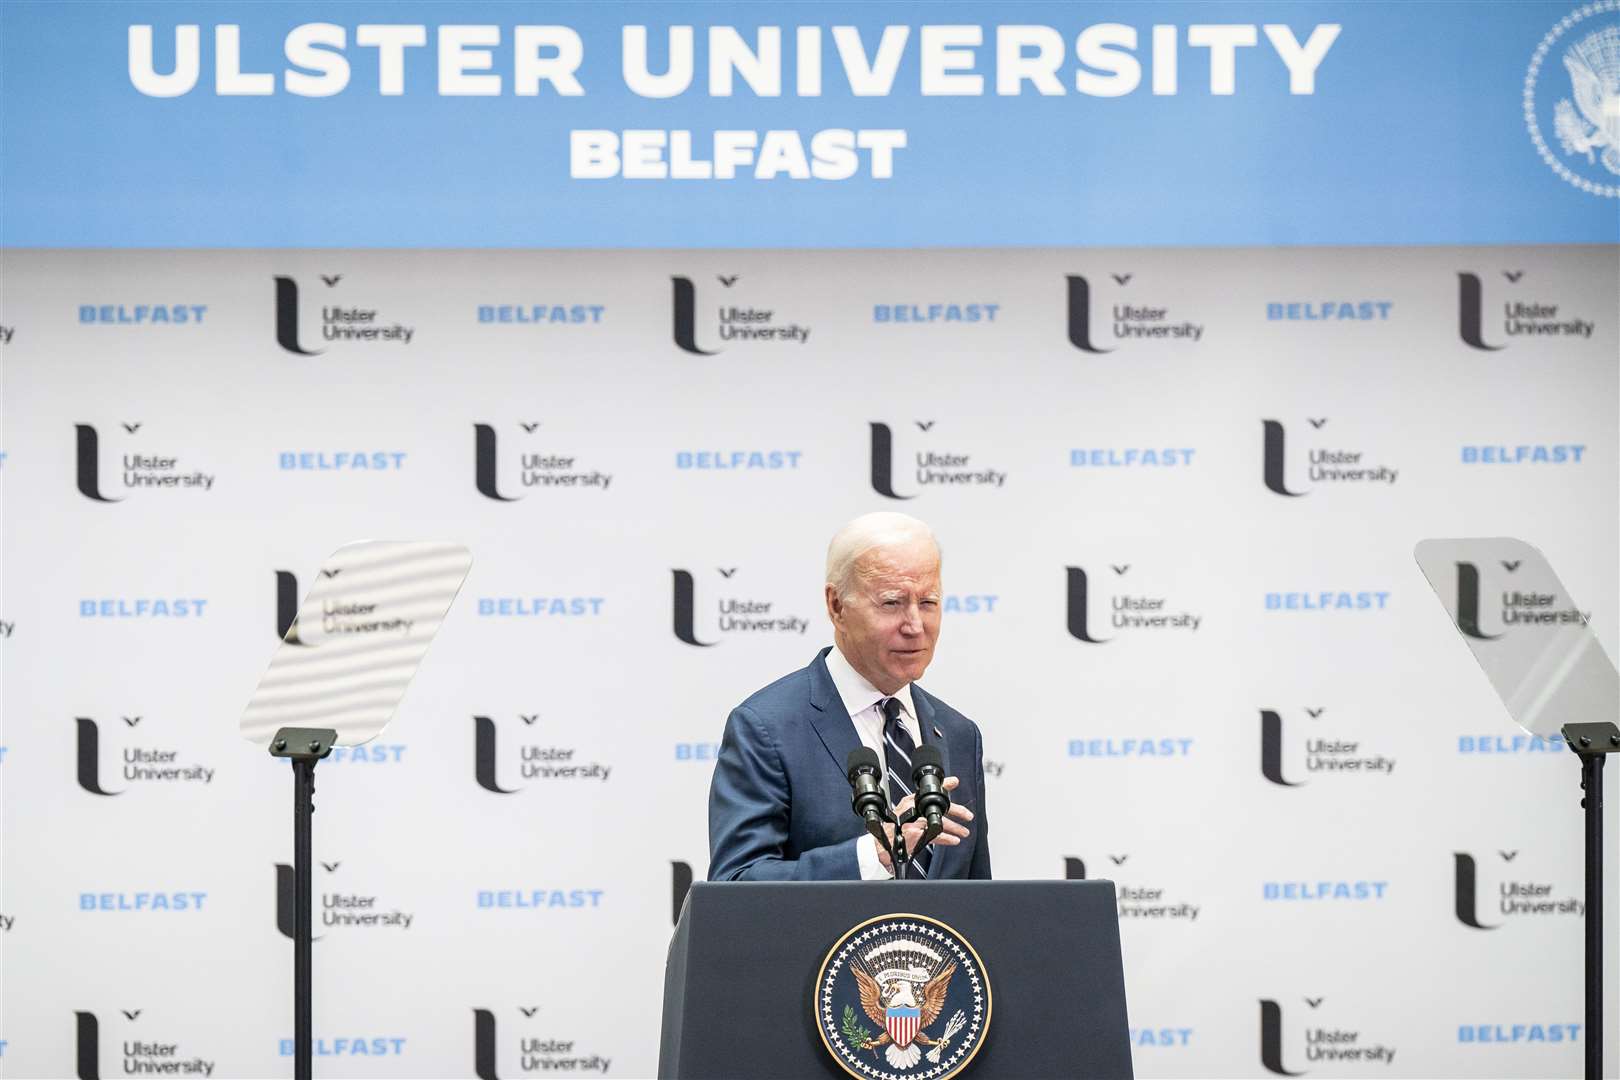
[887, 626]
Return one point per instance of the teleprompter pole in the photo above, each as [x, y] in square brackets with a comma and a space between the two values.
[304, 747]
[1592, 743]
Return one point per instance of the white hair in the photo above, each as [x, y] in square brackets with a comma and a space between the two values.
[881, 529]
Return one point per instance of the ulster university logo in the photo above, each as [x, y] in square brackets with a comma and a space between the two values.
[1326, 464]
[1325, 1043]
[540, 761]
[139, 765]
[1128, 611]
[1130, 319]
[734, 322]
[547, 471]
[921, 987]
[1572, 93]
[339, 323]
[734, 615]
[1146, 902]
[1324, 753]
[137, 469]
[141, 1052]
[1518, 607]
[335, 906]
[1522, 315]
[1520, 893]
[535, 1054]
[934, 467]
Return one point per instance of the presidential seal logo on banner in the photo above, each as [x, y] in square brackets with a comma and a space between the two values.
[902, 997]
[1583, 112]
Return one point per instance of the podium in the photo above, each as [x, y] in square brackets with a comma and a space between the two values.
[748, 960]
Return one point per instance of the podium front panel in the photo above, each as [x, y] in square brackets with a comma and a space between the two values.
[741, 984]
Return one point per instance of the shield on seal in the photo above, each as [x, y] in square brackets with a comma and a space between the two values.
[902, 1024]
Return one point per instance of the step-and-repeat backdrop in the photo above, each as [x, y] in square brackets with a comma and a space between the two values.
[1181, 324]
[1177, 493]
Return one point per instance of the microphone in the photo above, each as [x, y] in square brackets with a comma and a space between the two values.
[928, 781]
[866, 778]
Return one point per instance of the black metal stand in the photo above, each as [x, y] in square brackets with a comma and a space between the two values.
[899, 854]
[304, 747]
[1592, 743]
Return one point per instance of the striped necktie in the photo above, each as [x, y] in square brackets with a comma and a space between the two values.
[897, 748]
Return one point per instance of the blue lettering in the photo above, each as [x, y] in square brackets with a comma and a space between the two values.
[1537, 454]
[381, 1046]
[1327, 601]
[1126, 457]
[141, 607]
[1329, 310]
[372, 753]
[738, 459]
[1510, 744]
[1323, 890]
[142, 314]
[142, 901]
[541, 898]
[1513, 1033]
[935, 312]
[523, 606]
[1161, 1036]
[1165, 747]
[321, 461]
[536, 314]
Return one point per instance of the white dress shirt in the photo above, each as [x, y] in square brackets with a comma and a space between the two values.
[864, 702]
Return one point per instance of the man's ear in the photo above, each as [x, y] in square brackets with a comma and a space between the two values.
[835, 604]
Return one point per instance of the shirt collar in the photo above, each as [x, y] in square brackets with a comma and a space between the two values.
[856, 692]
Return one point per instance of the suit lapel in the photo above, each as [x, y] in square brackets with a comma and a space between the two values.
[831, 719]
[926, 719]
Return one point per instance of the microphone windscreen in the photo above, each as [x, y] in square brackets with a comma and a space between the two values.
[862, 757]
[925, 756]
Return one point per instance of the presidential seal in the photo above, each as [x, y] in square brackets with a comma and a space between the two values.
[902, 997]
[1581, 110]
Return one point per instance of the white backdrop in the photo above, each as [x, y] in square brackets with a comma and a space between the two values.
[549, 903]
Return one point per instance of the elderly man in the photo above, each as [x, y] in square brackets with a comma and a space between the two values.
[779, 804]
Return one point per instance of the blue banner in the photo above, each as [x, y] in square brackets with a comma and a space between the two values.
[348, 124]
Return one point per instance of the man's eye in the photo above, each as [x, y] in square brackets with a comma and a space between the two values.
[891, 603]
[930, 603]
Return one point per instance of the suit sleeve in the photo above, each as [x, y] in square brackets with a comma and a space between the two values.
[980, 867]
[749, 811]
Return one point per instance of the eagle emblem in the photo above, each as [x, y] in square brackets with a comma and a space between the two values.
[1592, 122]
[905, 996]
[919, 985]
[1585, 124]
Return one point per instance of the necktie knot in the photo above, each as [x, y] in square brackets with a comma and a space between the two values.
[891, 710]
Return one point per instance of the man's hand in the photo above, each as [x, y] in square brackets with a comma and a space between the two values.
[952, 833]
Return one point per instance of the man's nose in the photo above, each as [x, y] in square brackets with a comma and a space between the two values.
[912, 623]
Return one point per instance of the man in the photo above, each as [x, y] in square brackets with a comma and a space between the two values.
[779, 803]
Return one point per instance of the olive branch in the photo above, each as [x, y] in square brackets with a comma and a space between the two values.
[856, 1035]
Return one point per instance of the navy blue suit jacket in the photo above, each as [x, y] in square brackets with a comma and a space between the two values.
[779, 803]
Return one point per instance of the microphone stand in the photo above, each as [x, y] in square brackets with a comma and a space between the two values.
[874, 826]
[908, 856]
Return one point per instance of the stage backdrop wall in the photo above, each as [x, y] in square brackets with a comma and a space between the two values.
[1180, 323]
[1300, 781]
